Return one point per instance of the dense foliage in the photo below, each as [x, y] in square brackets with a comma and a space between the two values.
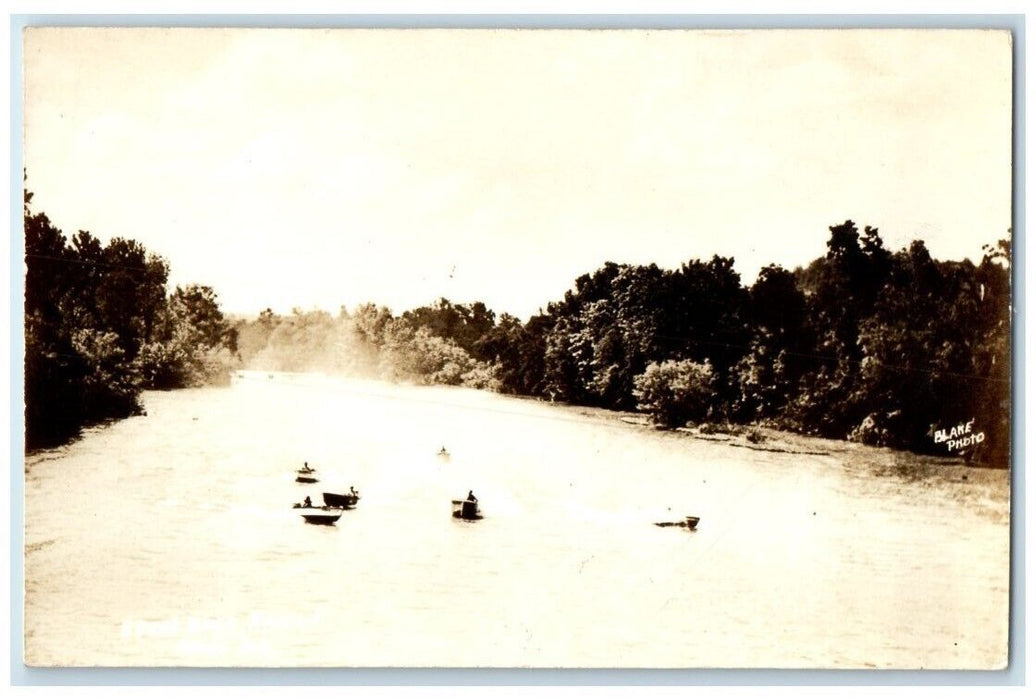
[675, 392]
[894, 349]
[99, 327]
[432, 345]
[863, 344]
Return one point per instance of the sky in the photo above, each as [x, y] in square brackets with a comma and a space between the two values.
[318, 168]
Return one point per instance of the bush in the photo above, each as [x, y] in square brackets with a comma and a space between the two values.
[870, 431]
[675, 392]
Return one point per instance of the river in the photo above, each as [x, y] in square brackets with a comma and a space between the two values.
[169, 539]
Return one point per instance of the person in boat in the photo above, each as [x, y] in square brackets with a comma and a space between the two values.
[471, 497]
[307, 503]
[305, 468]
[353, 492]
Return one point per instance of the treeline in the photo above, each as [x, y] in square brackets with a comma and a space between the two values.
[100, 327]
[862, 344]
[439, 344]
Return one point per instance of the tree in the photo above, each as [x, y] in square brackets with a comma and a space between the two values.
[371, 322]
[78, 368]
[707, 320]
[767, 376]
[507, 346]
[465, 324]
[192, 344]
[129, 293]
[196, 309]
[847, 284]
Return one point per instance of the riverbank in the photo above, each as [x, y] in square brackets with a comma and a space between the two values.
[986, 484]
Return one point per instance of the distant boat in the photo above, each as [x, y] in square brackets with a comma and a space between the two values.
[690, 522]
[321, 516]
[466, 510]
[341, 500]
[305, 474]
[443, 453]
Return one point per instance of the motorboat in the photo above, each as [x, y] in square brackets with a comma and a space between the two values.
[690, 522]
[319, 515]
[306, 474]
[341, 500]
[467, 510]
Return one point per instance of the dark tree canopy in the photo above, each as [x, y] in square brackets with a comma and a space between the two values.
[99, 327]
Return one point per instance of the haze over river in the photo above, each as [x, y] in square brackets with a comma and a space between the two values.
[169, 539]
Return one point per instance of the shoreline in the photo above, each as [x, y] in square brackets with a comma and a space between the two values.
[876, 462]
[732, 434]
[880, 461]
[736, 435]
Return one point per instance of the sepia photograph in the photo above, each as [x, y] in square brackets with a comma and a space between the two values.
[478, 348]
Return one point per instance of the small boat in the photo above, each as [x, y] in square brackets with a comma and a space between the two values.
[466, 510]
[690, 522]
[443, 453]
[341, 500]
[306, 474]
[320, 516]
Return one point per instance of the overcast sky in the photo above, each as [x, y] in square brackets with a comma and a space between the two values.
[319, 168]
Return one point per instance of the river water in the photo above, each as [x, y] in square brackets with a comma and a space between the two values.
[169, 539]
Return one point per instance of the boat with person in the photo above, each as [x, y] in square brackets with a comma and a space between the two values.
[306, 474]
[467, 509]
[342, 500]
